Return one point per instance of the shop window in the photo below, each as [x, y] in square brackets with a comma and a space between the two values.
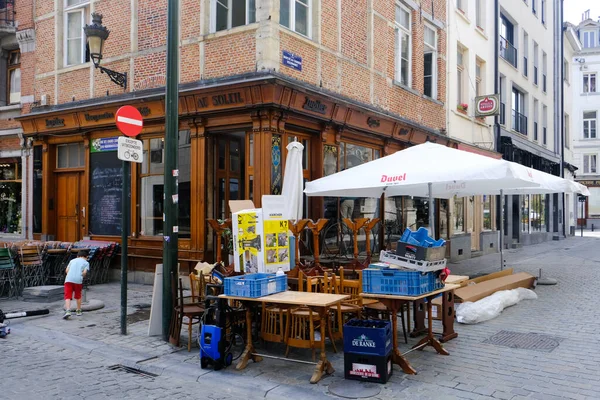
[525, 213]
[75, 18]
[151, 185]
[276, 173]
[487, 212]
[458, 216]
[227, 14]
[403, 45]
[10, 196]
[295, 15]
[70, 155]
[14, 77]
[537, 215]
[37, 189]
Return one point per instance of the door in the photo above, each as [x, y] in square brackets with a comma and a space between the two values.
[229, 174]
[68, 206]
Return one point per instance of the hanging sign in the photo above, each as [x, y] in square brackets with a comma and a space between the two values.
[487, 105]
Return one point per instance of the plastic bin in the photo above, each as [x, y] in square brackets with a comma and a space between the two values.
[368, 337]
[255, 285]
[398, 282]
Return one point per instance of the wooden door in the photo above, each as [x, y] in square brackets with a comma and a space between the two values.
[68, 206]
[229, 179]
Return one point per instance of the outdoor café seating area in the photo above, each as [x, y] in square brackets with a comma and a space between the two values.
[26, 264]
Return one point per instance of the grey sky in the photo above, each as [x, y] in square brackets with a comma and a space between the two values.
[574, 8]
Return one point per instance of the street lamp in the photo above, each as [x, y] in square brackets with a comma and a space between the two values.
[96, 34]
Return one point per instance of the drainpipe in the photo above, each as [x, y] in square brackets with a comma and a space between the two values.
[562, 108]
[499, 221]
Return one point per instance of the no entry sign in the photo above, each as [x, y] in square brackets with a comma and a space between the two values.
[129, 121]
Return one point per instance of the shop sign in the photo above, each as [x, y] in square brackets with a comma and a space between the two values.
[373, 123]
[291, 60]
[221, 100]
[98, 117]
[55, 123]
[487, 105]
[104, 144]
[145, 111]
[315, 106]
[590, 183]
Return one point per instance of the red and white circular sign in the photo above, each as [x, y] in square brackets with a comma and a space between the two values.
[486, 105]
[129, 121]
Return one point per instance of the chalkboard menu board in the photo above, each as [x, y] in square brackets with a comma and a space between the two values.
[106, 188]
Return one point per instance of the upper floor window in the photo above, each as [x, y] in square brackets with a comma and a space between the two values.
[14, 77]
[295, 14]
[403, 45]
[566, 70]
[589, 163]
[589, 125]
[567, 130]
[430, 62]
[534, 6]
[589, 83]
[460, 78]
[479, 66]
[589, 39]
[543, 11]
[462, 5]
[76, 15]
[480, 13]
[228, 14]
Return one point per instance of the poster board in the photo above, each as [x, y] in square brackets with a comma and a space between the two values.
[248, 241]
[277, 240]
[106, 188]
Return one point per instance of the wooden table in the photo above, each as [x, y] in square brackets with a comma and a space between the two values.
[319, 302]
[394, 303]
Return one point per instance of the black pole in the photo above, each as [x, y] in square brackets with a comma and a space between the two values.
[126, 207]
[170, 228]
[582, 219]
[562, 111]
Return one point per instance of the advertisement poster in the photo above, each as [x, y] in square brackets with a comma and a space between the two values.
[277, 241]
[248, 241]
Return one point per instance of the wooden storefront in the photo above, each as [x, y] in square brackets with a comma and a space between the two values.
[232, 145]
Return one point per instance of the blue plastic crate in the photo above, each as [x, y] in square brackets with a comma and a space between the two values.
[403, 283]
[255, 285]
[368, 337]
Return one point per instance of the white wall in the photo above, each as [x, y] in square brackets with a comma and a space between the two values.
[479, 44]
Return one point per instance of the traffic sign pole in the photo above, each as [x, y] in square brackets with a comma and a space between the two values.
[170, 243]
[125, 206]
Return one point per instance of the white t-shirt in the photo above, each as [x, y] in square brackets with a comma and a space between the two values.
[76, 268]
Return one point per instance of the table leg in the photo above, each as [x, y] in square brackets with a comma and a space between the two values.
[448, 314]
[248, 353]
[430, 340]
[323, 366]
[397, 358]
[419, 318]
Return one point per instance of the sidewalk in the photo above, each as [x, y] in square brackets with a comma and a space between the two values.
[474, 369]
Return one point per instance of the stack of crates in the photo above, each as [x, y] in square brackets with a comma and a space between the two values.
[368, 350]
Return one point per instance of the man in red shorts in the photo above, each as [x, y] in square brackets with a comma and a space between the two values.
[76, 271]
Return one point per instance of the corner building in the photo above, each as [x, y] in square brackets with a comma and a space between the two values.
[352, 80]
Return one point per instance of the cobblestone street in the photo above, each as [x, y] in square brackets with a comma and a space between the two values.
[46, 357]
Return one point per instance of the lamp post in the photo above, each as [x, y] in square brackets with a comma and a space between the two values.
[96, 34]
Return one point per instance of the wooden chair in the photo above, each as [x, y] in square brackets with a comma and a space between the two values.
[186, 308]
[198, 288]
[31, 264]
[353, 306]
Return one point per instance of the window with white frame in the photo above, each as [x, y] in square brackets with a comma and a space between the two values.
[480, 14]
[227, 14]
[75, 18]
[543, 11]
[589, 83]
[403, 45]
[14, 77]
[589, 163]
[295, 14]
[589, 124]
[479, 70]
[567, 134]
[430, 62]
[589, 39]
[534, 6]
[566, 70]
[460, 78]
[462, 5]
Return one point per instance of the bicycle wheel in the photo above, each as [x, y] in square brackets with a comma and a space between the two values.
[237, 345]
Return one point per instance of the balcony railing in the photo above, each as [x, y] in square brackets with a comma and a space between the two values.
[544, 83]
[508, 51]
[525, 66]
[519, 122]
[502, 114]
[544, 137]
[535, 75]
[7, 13]
[535, 131]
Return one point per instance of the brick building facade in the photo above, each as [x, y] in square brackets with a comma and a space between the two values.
[346, 78]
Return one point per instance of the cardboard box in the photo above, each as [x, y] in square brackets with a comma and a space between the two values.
[477, 291]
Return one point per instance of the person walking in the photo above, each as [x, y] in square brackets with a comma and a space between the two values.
[76, 271]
